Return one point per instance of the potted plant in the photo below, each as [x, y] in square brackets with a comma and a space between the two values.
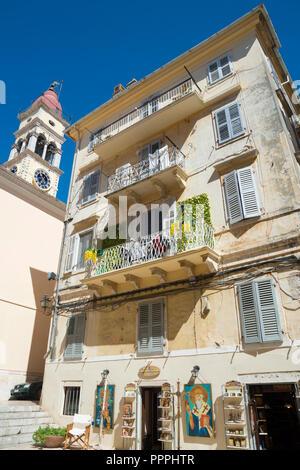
[50, 436]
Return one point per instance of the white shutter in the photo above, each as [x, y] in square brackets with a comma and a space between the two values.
[221, 68]
[233, 199]
[90, 187]
[249, 313]
[213, 72]
[222, 126]
[85, 242]
[248, 192]
[225, 66]
[267, 306]
[235, 119]
[86, 190]
[75, 337]
[71, 253]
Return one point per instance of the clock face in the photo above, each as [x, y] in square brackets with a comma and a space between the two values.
[42, 179]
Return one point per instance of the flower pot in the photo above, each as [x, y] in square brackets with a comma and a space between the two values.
[54, 441]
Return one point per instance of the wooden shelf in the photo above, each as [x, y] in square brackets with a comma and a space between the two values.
[128, 437]
[165, 440]
[234, 447]
[236, 435]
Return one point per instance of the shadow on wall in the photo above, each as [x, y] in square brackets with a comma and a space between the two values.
[40, 332]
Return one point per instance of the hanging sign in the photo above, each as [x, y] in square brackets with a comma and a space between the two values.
[149, 372]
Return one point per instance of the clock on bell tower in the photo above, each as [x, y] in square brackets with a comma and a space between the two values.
[36, 153]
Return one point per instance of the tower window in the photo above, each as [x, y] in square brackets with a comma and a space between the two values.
[50, 154]
[40, 144]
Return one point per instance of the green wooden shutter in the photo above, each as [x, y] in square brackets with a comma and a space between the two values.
[233, 198]
[157, 327]
[268, 311]
[75, 337]
[248, 192]
[144, 328]
[249, 313]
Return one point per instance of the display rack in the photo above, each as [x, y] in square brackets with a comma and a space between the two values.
[165, 407]
[129, 416]
[235, 416]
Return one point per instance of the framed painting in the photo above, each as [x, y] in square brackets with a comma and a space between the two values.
[108, 415]
[199, 410]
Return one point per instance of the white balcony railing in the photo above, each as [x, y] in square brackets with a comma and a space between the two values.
[143, 111]
[152, 247]
[128, 174]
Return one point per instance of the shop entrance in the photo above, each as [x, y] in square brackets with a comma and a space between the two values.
[274, 416]
[149, 418]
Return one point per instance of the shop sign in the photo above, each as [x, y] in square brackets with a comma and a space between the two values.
[149, 372]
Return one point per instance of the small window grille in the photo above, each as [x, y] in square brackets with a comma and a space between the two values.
[71, 403]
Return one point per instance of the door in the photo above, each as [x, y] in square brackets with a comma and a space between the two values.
[149, 419]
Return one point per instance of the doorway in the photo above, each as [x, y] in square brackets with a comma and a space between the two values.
[274, 416]
[150, 418]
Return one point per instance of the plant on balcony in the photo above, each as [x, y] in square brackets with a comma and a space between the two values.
[91, 254]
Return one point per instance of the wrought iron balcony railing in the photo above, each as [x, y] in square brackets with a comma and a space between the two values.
[155, 246]
[143, 111]
[129, 174]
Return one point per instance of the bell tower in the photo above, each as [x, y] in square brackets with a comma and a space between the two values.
[36, 153]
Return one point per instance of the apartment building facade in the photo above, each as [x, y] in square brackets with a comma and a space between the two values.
[189, 329]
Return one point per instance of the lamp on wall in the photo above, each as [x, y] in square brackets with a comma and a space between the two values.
[105, 373]
[45, 303]
[195, 371]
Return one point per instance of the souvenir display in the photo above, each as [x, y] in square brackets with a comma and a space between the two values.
[128, 415]
[165, 420]
[235, 416]
[199, 410]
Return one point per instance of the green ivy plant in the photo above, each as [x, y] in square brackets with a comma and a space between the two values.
[41, 433]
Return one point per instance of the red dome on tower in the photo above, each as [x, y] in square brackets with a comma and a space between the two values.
[50, 98]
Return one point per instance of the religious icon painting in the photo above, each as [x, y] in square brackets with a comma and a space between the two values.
[108, 412]
[199, 410]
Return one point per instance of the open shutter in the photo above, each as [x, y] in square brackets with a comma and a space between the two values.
[144, 328]
[94, 185]
[225, 66]
[213, 72]
[157, 325]
[233, 199]
[84, 244]
[248, 192]
[249, 313]
[235, 119]
[267, 306]
[222, 126]
[86, 190]
[71, 253]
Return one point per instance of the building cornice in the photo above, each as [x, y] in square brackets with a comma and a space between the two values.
[41, 104]
[37, 121]
[36, 157]
[200, 52]
[30, 194]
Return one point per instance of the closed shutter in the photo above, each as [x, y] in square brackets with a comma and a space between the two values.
[213, 72]
[71, 253]
[150, 328]
[229, 123]
[225, 66]
[248, 192]
[235, 119]
[233, 199]
[144, 153]
[222, 126]
[90, 187]
[249, 313]
[269, 318]
[75, 337]
[259, 312]
[221, 68]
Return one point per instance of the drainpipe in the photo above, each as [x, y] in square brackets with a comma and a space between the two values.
[67, 220]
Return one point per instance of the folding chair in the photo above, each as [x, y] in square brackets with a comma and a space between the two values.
[81, 435]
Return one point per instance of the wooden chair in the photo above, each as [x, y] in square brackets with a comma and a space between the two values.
[81, 435]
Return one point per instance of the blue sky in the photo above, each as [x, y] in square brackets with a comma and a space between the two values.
[93, 46]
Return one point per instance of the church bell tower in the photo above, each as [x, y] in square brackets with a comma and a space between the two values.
[36, 153]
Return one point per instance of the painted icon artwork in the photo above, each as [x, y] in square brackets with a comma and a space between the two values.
[108, 413]
[199, 410]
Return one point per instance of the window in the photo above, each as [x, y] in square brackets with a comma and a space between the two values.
[229, 123]
[75, 337]
[71, 400]
[151, 328]
[219, 69]
[78, 244]
[259, 313]
[241, 195]
[150, 148]
[90, 187]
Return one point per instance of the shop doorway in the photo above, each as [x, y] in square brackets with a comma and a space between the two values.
[149, 418]
[274, 416]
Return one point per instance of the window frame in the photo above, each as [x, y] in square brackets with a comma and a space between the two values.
[219, 68]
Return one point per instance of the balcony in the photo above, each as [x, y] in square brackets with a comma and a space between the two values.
[159, 256]
[149, 118]
[161, 171]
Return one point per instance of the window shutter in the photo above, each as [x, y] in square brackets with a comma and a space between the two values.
[267, 306]
[248, 192]
[222, 126]
[157, 333]
[143, 328]
[91, 143]
[235, 119]
[75, 337]
[144, 153]
[225, 66]
[85, 243]
[233, 199]
[90, 187]
[71, 253]
[213, 72]
[86, 190]
[249, 313]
